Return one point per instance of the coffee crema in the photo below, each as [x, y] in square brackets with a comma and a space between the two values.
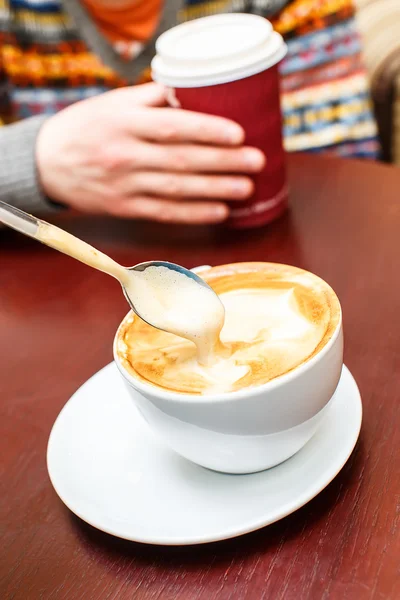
[277, 317]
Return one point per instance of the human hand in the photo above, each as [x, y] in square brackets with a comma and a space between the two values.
[124, 153]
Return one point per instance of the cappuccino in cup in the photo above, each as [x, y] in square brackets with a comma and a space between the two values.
[277, 318]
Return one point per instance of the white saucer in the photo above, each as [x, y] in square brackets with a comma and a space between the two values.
[111, 471]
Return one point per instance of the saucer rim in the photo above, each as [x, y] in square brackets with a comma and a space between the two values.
[283, 512]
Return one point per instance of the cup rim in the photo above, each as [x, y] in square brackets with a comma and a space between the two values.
[164, 43]
[149, 389]
[266, 49]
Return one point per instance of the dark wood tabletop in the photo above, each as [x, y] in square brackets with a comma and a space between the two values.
[57, 321]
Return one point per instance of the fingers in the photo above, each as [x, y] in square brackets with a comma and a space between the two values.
[169, 125]
[172, 126]
[148, 94]
[179, 185]
[189, 158]
[169, 211]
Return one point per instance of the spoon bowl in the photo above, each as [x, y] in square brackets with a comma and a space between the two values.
[181, 296]
[140, 267]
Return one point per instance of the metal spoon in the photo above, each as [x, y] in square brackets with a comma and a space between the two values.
[68, 244]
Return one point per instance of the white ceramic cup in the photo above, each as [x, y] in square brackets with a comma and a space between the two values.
[249, 430]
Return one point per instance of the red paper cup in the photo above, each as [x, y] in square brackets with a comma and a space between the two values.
[227, 65]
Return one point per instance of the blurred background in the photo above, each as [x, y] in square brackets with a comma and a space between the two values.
[379, 24]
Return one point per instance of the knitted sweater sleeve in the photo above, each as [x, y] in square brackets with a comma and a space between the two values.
[19, 184]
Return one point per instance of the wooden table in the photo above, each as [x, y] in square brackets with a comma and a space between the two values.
[57, 321]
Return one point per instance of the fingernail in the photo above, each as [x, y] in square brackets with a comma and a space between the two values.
[241, 188]
[234, 135]
[255, 159]
[220, 212]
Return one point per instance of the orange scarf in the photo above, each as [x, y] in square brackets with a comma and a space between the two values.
[133, 21]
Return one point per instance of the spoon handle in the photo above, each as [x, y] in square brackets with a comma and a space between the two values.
[59, 240]
[18, 219]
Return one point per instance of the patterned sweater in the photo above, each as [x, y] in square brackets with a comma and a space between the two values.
[52, 54]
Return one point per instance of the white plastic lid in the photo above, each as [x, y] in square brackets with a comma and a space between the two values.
[216, 49]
